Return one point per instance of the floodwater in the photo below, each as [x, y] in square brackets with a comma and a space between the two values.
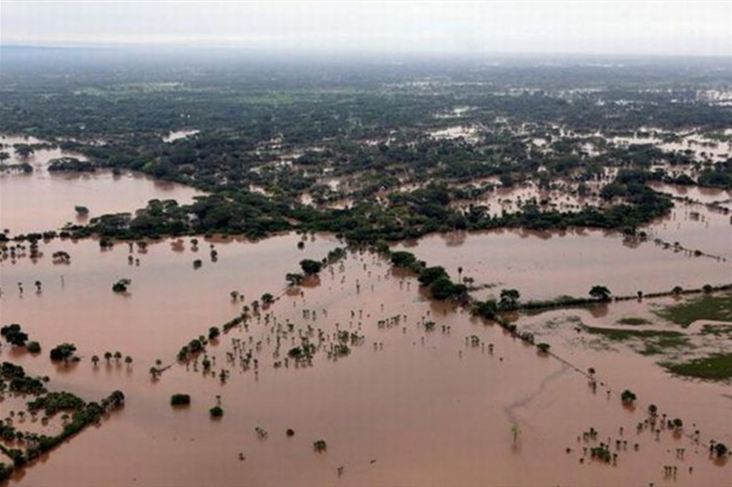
[179, 134]
[407, 406]
[469, 133]
[701, 147]
[46, 201]
[506, 200]
[546, 265]
[698, 227]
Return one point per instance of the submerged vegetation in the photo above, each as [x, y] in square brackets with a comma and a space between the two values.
[30, 446]
[370, 159]
[717, 307]
[717, 366]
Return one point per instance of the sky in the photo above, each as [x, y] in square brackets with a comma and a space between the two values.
[556, 27]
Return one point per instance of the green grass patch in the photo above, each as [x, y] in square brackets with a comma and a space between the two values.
[620, 335]
[717, 330]
[655, 342]
[713, 367]
[633, 321]
[707, 307]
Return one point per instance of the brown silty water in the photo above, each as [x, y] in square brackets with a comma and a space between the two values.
[546, 265]
[46, 201]
[407, 406]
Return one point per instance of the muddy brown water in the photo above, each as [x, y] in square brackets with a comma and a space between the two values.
[424, 408]
[45, 201]
[546, 265]
[406, 407]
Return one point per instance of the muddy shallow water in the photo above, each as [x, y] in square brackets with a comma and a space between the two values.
[546, 265]
[45, 201]
[407, 406]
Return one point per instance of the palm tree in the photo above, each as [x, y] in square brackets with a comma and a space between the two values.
[117, 356]
[95, 360]
[107, 356]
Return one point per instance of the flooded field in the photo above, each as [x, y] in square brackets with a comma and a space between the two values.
[401, 389]
[402, 274]
[44, 200]
[425, 394]
[546, 265]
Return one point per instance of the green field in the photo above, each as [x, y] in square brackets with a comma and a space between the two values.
[714, 367]
[707, 307]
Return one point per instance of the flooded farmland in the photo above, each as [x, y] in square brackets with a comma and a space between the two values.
[220, 268]
[425, 394]
[414, 390]
[44, 200]
[547, 265]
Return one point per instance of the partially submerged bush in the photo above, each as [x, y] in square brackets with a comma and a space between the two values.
[180, 399]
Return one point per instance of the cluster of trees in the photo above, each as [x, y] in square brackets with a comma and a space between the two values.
[70, 164]
[83, 415]
[63, 352]
[253, 120]
[14, 378]
[14, 335]
[435, 278]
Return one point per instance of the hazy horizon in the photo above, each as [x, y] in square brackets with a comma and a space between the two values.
[458, 28]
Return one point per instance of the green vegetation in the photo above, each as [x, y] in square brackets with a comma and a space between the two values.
[180, 399]
[716, 366]
[216, 412]
[633, 321]
[14, 335]
[70, 164]
[600, 293]
[121, 286]
[628, 397]
[707, 307]
[310, 267]
[63, 352]
[654, 341]
[80, 415]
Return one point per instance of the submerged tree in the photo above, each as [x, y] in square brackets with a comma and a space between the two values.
[600, 293]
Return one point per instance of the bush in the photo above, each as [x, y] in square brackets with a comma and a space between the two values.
[443, 288]
[720, 449]
[62, 352]
[310, 267]
[486, 309]
[628, 396]
[431, 274]
[121, 286]
[402, 259]
[14, 335]
[216, 412]
[180, 399]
